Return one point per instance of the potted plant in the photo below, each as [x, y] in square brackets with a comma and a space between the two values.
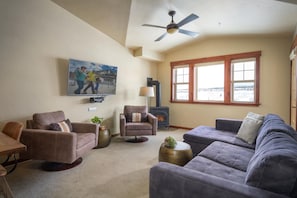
[170, 142]
[96, 120]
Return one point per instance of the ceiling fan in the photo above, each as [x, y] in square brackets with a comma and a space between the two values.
[173, 27]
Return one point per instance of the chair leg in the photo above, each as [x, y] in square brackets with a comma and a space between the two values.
[4, 185]
[15, 163]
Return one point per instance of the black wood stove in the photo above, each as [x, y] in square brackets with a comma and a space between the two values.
[162, 113]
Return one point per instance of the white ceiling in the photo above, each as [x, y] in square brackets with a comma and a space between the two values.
[122, 19]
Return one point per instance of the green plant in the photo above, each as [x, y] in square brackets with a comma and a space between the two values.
[170, 142]
[96, 120]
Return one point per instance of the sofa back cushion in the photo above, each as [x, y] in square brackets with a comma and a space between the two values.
[43, 120]
[273, 166]
[273, 123]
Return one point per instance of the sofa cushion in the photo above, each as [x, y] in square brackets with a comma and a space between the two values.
[211, 167]
[227, 154]
[273, 123]
[273, 167]
[248, 130]
[207, 135]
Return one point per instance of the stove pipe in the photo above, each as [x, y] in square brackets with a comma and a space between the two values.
[150, 83]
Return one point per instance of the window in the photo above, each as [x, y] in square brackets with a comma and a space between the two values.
[209, 82]
[229, 79]
[243, 80]
[181, 82]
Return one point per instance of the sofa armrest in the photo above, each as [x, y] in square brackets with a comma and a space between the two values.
[49, 145]
[169, 180]
[225, 124]
[154, 121]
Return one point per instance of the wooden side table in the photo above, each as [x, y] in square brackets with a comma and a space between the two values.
[180, 155]
[104, 137]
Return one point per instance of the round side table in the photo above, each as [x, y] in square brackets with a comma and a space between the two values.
[104, 137]
[179, 155]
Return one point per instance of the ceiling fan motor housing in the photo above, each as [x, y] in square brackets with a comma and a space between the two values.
[172, 27]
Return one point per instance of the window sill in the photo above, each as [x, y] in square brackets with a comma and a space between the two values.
[217, 103]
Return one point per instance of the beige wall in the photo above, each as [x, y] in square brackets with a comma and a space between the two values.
[274, 79]
[36, 40]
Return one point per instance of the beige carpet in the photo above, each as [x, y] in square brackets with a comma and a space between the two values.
[120, 170]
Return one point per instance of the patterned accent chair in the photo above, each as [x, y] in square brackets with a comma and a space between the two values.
[136, 121]
[53, 138]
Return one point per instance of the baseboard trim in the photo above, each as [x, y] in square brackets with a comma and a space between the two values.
[180, 127]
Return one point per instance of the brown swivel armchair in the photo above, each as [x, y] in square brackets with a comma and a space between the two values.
[136, 121]
[60, 150]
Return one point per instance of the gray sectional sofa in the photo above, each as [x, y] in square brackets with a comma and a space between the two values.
[227, 166]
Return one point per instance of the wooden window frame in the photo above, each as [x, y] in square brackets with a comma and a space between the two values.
[227, 59]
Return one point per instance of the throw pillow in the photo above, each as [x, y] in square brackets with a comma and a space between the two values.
[64, 126]
[248, 130]
[136, 117]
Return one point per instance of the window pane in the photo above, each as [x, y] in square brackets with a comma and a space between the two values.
[243, 70]
[244, 92]
[182, 92]
[210, 82]
[182, 75]
[238, 75]
[249, 75]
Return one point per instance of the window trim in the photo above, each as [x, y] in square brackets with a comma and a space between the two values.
[227, 59]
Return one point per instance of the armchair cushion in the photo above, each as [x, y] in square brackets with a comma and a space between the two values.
[43, 120]
[64, 126]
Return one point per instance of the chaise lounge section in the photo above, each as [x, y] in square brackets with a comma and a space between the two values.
[227, 166]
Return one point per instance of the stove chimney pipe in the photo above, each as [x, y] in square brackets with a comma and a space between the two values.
[150, 83]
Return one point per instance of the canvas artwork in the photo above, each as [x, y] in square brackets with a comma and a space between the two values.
[89, 78]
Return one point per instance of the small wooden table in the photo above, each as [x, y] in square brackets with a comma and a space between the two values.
[180, 155]
[9, 145]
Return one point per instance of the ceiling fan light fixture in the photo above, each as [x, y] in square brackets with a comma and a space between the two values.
[172, 30]
[173, 27]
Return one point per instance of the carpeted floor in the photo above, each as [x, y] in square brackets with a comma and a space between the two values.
[120, 170]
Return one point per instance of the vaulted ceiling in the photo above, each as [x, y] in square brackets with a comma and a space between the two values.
[122, 19]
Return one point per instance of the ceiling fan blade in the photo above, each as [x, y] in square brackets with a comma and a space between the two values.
[157, 26]
[189, 33]
[161, 37]
[188, 19]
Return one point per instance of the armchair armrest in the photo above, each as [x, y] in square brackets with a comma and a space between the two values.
[225, 124]
[122, 124]
[49, 145]
[154, 121]
[81, 127]
[169, 180]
